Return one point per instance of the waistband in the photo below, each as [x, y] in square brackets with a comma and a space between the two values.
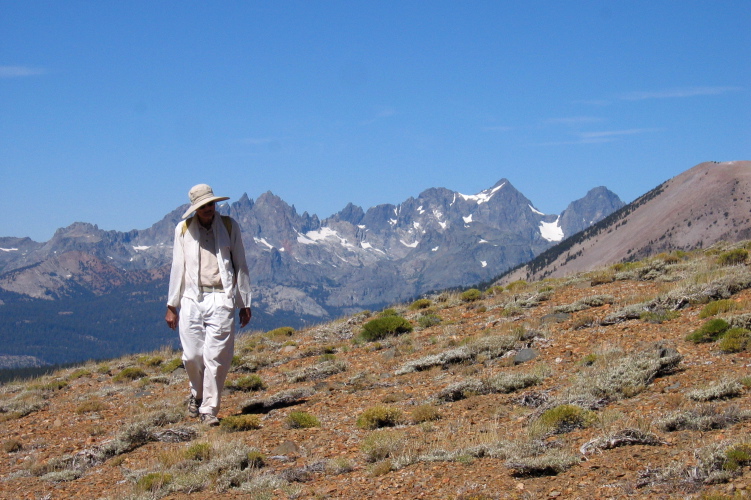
[210, 289]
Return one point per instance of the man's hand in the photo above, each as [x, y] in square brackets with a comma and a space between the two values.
[245, 315]
[171, 317]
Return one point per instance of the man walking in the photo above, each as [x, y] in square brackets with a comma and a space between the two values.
[208, 280]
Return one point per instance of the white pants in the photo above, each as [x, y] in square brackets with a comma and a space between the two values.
[207, 334]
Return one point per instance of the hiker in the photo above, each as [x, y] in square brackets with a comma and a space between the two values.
[208, 280]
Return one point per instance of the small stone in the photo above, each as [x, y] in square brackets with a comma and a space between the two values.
[554, 494]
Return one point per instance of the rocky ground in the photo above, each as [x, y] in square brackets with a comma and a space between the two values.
[583, 387]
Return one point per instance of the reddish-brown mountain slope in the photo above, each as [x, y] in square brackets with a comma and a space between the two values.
[708, 203]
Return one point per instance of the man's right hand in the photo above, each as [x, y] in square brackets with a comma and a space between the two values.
[171, 317]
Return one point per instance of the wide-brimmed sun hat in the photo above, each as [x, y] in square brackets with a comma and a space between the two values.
[200, 195]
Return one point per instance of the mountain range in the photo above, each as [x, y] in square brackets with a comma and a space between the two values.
[88, 292]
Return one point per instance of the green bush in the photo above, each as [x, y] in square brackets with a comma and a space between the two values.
[425, 413]
[565, 418]
[199, 452]
[737, 456]
[81, 372]
[428, 320]
[247, 383]
[283, 332]
[379, 416]
[733, 257]
[256, 459]
[388, 312]
[471, 295]
[718, 307]
[379, 328]
[240, 423]
[420, 304]
[381, 444]
[709, 331]
[735, 340]
[171, 365]
[154, 481]
[302, 420]
[130, 373]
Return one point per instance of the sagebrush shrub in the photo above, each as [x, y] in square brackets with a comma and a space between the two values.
[198, 452]
[130, 373]
[471, 295]
[171, 365]
[428, 320]
[733, 257]
[381, 444]
[735, 340]
[247, 383]
[154, 481]
[240, 423]
[709, 331]
[718, 307]
[565, 418]
[420, 304]
[383, 327]
[425, 413]
[379, 416]
[302, 420]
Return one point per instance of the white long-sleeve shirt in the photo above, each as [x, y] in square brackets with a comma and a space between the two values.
[230, 254]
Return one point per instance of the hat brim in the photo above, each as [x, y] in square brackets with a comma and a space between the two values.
[198, 205]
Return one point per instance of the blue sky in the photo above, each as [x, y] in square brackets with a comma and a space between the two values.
[110, 111]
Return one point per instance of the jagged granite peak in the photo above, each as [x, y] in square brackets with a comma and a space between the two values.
[597, 204]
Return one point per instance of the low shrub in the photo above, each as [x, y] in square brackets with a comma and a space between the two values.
[733, 257]
[425, 413]
[171, 365]
[81, 372]
[735, 340]
[91, 406]
[381, 444]
[302, 420]
[130, 373]
[428, 320]
[383, 327]
[247, 383]
[471, 295]
[379, 416]
[240, 423]
[11, 445]
[280, 333]
[154, 481]
[718, 307]
[199, 452]
[565, 418]
[709, 331]
[420, 304]
[256, 459]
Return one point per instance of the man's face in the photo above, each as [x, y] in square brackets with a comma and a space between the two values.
[206, 212]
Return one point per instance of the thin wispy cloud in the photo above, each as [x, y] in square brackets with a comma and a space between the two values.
[573, 120]
[380, 115]
[20, 71]
[676, 93]
[497, 128]
[599, 137]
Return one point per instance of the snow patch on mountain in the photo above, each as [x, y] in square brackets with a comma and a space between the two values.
[483, 196]
[551, 231]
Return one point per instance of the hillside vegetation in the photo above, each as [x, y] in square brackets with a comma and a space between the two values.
[630, 381]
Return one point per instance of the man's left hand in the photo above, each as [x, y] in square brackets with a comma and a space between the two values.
[245, 315]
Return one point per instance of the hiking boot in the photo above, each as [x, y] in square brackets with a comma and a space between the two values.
[193, 405]
[209, 419]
